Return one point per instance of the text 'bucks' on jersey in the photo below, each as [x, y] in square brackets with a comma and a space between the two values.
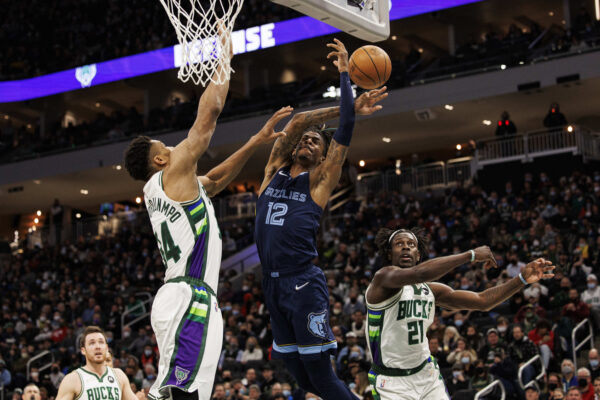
[287, 222]
[93, 387]
[397, 327]
[187, 234]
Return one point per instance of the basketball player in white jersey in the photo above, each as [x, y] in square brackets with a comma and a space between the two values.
[401, 302]
[96, 380]
[185, 315]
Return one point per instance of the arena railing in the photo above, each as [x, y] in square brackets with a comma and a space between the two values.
[526, 364]
[489, 388]
[525, 147]
[589, 338]
[413, 179]
[143, 307]
[39, 356]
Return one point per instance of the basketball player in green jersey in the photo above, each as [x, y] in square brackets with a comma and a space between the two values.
[401, 302]
[95, 380]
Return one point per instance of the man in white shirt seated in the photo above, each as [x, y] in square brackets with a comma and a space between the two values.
[591, 296]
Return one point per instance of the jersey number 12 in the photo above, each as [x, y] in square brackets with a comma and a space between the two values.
[276, 213]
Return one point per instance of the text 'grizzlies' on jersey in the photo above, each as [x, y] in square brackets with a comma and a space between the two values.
[287, 221]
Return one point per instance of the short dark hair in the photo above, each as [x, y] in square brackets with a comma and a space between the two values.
[325, 133]
[137, 158]
[88, 331]
[382, 241]
[573, 388]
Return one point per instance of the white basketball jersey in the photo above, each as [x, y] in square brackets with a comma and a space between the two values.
[397, 327]
[187, 233]
[93, 387]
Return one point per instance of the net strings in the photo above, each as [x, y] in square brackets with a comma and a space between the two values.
[205, 53]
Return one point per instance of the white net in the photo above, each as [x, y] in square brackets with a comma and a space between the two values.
[203, 30]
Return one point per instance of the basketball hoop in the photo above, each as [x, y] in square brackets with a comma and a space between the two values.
[203, 53]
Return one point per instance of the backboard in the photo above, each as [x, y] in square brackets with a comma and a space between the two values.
[366, 19]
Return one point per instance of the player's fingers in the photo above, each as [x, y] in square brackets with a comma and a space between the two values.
[547, 276]
[335, 63]
[548, 268]
[339, 43]
[280, 134]
[333, 54]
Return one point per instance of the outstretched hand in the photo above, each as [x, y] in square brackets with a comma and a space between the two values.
[365, 103]
[267, 134]
[341, 53]
[537, 270]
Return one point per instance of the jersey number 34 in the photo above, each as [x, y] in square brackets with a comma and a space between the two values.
[276, 213]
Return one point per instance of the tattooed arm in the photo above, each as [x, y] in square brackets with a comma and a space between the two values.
[451, 299]
[283, 147]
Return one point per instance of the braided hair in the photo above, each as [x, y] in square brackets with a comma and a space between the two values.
[382, 241]
[137, 158]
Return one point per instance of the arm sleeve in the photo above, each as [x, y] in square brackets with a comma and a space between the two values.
[343, 134]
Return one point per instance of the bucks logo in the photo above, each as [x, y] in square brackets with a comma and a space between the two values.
[85, 74]
[317, 324]
[181, 374]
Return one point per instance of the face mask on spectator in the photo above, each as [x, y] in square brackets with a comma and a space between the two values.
[591, 286]
[55, 370]
[148, 353]
[552, 386]
[464, 287]
[35, 375]
[456, 374]
[287, 393]
[226, 308]
[151, 377]
[251, 347]
[583, 383]
[465, 360]
[352, 386]
[566, 370]
[458, 323]
[354, 354]
[337, 311]
[594, 363]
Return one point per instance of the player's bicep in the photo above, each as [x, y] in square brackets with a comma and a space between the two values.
[69, 387]
[125, 386]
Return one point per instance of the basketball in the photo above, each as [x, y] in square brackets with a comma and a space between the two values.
[370, 67]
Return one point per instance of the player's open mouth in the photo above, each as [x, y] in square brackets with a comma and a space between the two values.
[406, 257]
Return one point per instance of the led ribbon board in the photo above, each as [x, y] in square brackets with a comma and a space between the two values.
[244, 41]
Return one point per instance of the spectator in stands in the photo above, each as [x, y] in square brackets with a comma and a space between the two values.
[574, 393]
[31, 392]
[569, 379]
[474, 339]
[480, 378]
[554, 118]
[594, 363]
[554, 382]
[459, 380]
[576, 310]
[585, 384]
[439, 354]
[450, 339]
[515, 266]
[461, 354]
[253, 351]
[591, 296]
[597, 388]
[522, 350]
[354, 303]
[532, 393]
[503, 331]
[557, 394]
[56, 375]
[219, 392]
[543, 337]
[493, 346]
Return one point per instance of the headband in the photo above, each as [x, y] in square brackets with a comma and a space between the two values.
[403, 231]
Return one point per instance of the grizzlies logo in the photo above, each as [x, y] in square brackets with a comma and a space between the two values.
[85, 74]
[317, 324]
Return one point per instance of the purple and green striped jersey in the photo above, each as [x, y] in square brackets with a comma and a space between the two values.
[186, 233]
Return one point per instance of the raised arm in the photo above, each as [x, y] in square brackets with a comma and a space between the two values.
[188, 151]
[430, 270]
[451, 299]
[327, 175]
[69, 388]
[283, 147]
[221, 176]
